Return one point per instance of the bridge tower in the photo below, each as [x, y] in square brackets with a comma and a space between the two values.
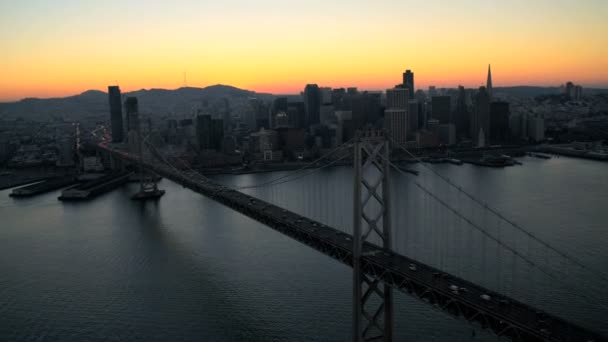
[372, 301]
[148, 188]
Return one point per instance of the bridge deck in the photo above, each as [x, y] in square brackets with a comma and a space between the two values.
[502, 315]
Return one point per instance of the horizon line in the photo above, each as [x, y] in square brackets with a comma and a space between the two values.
[374, 89]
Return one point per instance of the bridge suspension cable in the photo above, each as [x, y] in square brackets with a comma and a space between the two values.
[490, 236]
[495, 212]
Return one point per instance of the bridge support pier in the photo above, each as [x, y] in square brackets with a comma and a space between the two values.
[372, 300]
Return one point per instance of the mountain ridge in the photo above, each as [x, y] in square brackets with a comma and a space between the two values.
[159, 101]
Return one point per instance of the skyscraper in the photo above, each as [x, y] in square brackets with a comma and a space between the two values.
[312, 103]
[366, 109]
[325, 93]
[396, 114]
[489, 82]
[279, 105]
[499, 121]
[480, 122]
[132, 114]
[395, 122]
[413, 120]
[461, 116]
[217, 134]
[209, 132]
[408, 82]
[296, 112]
[203, 131]
[441, 109]
[115, 113]
[397, 98]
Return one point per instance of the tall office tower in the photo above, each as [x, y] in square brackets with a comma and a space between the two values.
[312, 103]
[209, 132]
[413, 119]
[259, 110]
[345, 130]
[279, 105]
[296, 112]
[578, 93]
[518, 125]
[132, 114]
[217, 134]
[115, 113]
[132, 118]
[395, 122]
[461, 116]
[204, 127]
[570, 90]
[249, 115]
[422, 110]
[480, 121]
[441, 109]
[536, 128]
[489, 82]
[499, 121]
[408, 82]
[325, 95]
[366, 109]
[327, 115]
[337, 98]
[397, 98]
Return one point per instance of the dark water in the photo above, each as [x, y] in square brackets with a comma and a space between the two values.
[189, 269]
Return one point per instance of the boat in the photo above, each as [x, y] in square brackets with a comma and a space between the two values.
[517, 162]
[150, 194]
[497, 161]
[492, 161]
[539, 155]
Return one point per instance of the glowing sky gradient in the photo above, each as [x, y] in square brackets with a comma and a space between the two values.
[63, 47]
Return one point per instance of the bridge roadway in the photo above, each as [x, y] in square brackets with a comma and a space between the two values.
[502, 315]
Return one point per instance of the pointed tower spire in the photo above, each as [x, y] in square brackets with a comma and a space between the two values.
[489, 82]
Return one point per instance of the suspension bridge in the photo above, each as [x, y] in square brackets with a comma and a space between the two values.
[378, 267]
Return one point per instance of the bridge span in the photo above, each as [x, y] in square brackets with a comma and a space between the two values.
[504, 316]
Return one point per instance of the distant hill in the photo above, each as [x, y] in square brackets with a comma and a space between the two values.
[94, 103]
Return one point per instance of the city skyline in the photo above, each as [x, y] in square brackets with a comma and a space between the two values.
[271, 170]
[64, 48]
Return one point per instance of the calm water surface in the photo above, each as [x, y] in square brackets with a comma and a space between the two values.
[188, 269]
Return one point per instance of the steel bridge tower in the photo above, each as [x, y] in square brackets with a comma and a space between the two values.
[148, 187]
[372, 300]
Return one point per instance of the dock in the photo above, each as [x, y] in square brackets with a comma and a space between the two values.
[44, 186]
[95, 187]
[571, 151]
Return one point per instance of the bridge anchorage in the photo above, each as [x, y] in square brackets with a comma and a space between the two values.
[372, 301]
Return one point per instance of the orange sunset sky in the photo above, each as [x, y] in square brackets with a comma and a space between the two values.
[64, 47]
